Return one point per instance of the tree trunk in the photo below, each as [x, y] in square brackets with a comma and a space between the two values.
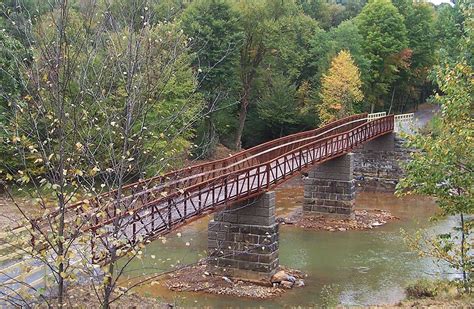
[463, 258]
[244, 103]
[108, 288]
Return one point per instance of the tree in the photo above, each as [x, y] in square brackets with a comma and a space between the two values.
[213, 26]
[384, 38]
[413, 84]
[341, 89]
[326, 45]
[449, 30]
[105, 96]
[444, 166]
[259, 20]
[10, 87]
[277, 108]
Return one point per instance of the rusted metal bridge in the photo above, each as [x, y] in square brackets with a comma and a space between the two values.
[150, 208]
[156, 206]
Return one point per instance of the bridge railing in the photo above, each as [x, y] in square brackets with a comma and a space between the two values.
[150, 189]
[373, 116]
[163, 214]
[404, 123]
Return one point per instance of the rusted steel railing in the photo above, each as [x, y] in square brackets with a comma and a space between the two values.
[158, 216]
[142, 192]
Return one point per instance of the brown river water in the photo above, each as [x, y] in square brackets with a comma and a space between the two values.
[352, 268]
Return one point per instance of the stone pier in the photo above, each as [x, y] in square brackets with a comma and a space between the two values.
[329, 188]
[377, 165]
[243, 240]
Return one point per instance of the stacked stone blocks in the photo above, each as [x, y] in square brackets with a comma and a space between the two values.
[243, 240]
[329, 188]
[377, 164]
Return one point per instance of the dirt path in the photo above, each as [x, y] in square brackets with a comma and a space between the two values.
[425, 113]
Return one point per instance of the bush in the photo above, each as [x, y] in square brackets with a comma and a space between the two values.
[422, 288]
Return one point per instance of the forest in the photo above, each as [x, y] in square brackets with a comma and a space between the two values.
[96, 95]
[207, 72]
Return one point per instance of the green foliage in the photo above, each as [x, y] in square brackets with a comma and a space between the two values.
[449, 30]
[10, 93]
[326, 45]
[444, 167]
[216, 38]
[10, 87]
[329, 14]
[384, 37]
[413, 85]
[422, 288]
[277, 107]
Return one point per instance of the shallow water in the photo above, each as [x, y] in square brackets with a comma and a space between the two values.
[352, 268]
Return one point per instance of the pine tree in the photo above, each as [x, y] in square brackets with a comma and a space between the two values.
[341, 88]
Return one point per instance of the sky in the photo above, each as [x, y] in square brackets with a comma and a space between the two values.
[439, 1]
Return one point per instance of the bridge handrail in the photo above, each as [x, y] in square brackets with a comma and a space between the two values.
[373, 116]
[200, 169]
[386, 124]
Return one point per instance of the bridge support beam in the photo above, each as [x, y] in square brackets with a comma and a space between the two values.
[329, 188]
[377, 163]
[243, 240]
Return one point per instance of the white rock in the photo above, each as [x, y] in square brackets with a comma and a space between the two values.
[286, 284]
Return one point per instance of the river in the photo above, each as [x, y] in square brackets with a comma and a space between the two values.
[352, 268]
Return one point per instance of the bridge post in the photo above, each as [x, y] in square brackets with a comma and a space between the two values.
[377, 163]
[329, 188]
[243, 240]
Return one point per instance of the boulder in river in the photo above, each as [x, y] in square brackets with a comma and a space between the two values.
[279, 277]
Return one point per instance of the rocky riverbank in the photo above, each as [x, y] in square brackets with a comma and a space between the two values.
[197, 279]
[364, 219]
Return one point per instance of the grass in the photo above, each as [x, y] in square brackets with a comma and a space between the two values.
[437, 293]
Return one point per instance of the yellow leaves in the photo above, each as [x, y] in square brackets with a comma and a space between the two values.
[78, 172]
[341, 88]
[94, 171]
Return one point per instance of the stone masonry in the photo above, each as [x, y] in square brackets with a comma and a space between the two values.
[243, 240]
[377, 164]
[329, 188]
